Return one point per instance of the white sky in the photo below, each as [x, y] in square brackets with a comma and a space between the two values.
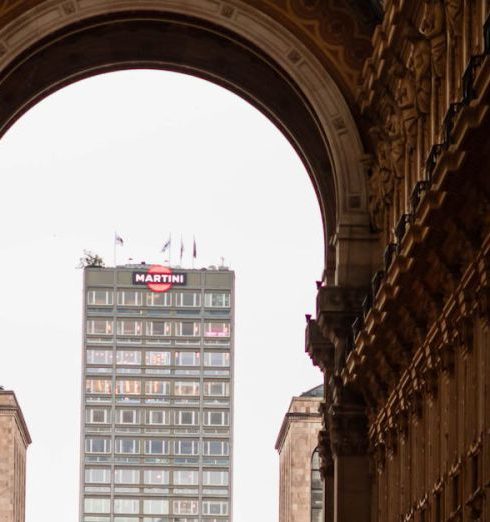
[148, 153]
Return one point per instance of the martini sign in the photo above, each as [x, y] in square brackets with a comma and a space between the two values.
[159, 278]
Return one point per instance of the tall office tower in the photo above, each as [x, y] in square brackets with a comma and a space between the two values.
[157, 395]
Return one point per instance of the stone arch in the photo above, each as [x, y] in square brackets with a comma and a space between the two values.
[57, 42]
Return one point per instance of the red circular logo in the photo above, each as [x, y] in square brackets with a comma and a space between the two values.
[159, 287]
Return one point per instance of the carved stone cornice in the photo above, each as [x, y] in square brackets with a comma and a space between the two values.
[320, 349]
[325, 452]
[337, 309]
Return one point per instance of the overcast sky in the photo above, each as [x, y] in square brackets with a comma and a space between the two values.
[146, 154]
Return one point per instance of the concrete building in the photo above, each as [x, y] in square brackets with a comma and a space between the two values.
[14, 439]
[300, 484]
[157, 395]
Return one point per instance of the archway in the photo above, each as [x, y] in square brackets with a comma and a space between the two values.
[230, 43]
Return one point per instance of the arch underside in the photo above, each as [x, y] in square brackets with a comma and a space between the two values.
[173, 43]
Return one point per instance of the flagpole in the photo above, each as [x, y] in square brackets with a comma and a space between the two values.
[170, 251]
[115, 250]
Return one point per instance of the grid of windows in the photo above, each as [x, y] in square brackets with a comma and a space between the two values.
[157, 389]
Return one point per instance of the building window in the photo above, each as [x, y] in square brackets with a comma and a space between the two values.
[126, 476]
[157, 358]
[157, 417]
[214, 329]
[157, 388]
[186, 447]
[187, 358]
[186, 388]
[97, 476]
[97, 445]
[102, 386]
[127, 416]
[216, 448]
[217, 359]
[215, 478]
[155, 507]
[97, 416]
[186, 418]
[216, 300]
[157, 447]
[214, 507]
[128, 357]
[316, 488]
[188, 329]
[99, 357]
[188, 299]
[129, 327]
[216, 418]
[156, 476]
[185, 477]
[216, 389]
[159, 299]
[129, 298]
[128, 387]
[126, 505]
[99, 326]
[128, 446]
[158, 328]
[97, 505]
[99, 297]
[185, 507]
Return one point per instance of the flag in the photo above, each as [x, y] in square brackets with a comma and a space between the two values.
[181, 249]
[194, 249]
[118, 239]
[166, 244]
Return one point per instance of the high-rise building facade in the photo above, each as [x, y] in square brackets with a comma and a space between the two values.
[157, 395]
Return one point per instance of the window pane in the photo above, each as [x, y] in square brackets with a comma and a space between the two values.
[99, 297]
[186, 388]
[216, 359]
[129, 298]
[187, 358]
[126, 476]
[128, 357]
[158, 328]
[129, 327]
[99, 357]
[99, 326]
[217, 300]
[155, 507]
[102, 386]
[157, 388]
[157, 358]
[97, 505]
[129, 387]
[126, 505]
[156, 476]
[97, 476]
[213, 329]
[185, 477]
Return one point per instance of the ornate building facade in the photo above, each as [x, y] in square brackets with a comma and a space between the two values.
[387, 104]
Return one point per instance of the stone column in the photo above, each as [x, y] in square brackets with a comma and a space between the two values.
[344, 412]
[351, 488]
